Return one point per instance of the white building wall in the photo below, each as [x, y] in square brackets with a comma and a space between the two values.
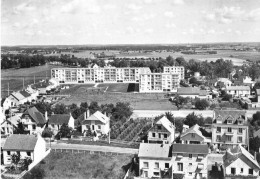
[7, 158]
[71, 122]
[40, 148]
[238, 165]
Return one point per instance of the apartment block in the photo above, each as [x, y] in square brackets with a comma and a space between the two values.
[98, 75]
[190, 160]
[159, 82]
[175, 70]
[230, 128]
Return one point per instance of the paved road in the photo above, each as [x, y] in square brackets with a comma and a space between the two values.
[93, 148]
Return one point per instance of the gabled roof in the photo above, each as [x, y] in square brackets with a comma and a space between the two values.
[194, 129]
[234, 115]
[165, 123]
[97, 116]
[154, 150]
[35, 115]
[242, 88]
[19, 142]
[12, 120]
[236, 153]
[190, 148]
[18, 96]
[25, 93]
[59, 119]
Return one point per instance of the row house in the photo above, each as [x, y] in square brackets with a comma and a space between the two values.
[238, 91]
[163, 131]
[229, 128]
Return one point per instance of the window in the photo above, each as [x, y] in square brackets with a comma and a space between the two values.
[229, 138]
[250, 171]
[18, 152]
[33, 126]
[193, 135]
[146, 165]
[156, 173]
[8, 152]
[229, 129]
[153, 134]
[190, 156]
[145, 173]
[159, 135]
[159, 127]
[239, 139]
[240, 122]
[229, 121]
[233, 171]
[180, 166]
[218, 129]
[28, 153]
[165, 136]
[190, 164]
[167, 165]
[190, 173]
[240, 130]
[99, 127]
[242, 170]
[218, 138]
[156, 165]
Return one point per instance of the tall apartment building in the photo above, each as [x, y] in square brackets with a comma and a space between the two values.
[159, 82]
[175, 70]
[98, 75]
[229, 127]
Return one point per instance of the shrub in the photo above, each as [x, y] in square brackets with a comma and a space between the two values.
[36, 172]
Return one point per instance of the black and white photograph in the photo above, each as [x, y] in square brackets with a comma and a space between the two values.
[130, 89]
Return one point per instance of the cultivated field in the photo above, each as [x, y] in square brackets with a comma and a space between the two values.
[81, 166]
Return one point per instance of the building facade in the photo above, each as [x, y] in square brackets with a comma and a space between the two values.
[229, 128]
[238, 91]
[159, 82]
[175, 70]
[98, 75]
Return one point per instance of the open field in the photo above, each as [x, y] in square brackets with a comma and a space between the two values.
[80, 165]
[116, 87]
[137, 100]
[15, 77]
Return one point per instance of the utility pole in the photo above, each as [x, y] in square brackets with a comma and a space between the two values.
[23, 82]
[8, 90]
[34, 79]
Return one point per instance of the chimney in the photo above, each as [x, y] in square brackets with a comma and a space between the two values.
[46, 116]
[87, 113]
[105, 113]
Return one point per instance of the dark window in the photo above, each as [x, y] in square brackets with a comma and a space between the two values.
[28, 153]
[190, 156]
[159, 127]
[218, 129]
[165, 135]
[153, 134]
[193, 135]
[233, 171]
[8, 152]
[250, 171]
[166, 165]
[34, 127]
[18, 152]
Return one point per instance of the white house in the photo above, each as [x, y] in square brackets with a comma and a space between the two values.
[238, 91]
[193, 92]
[8, 126]
[154, 160]
[20, 97]
[162, 132]
[97, 122]
[33, 120]
[224, 82]
[57, 120]
[25, 145]
[239, 163]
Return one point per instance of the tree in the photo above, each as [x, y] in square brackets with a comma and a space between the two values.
[15, 158]
[192, 119]
[254, 71]
[20, 128]
[179, 124]
[122, 110]
[170, 117]
[60, 109]
[65, 131]
[47, 132]
[179, 101]
[256, 119]
[93, 107]
[201, 104]
[26, 162]
[254, 144]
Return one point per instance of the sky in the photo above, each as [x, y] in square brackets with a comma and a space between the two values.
[82, 22]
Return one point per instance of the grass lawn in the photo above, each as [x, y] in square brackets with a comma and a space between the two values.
[81, 166]
[114, 87]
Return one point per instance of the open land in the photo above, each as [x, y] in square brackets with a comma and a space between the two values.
[80, 165]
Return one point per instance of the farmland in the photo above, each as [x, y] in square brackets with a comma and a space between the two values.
[80, 165]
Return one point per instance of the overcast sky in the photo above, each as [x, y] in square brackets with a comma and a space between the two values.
[69, 22]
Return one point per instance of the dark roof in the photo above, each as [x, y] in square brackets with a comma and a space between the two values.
[44, 84]
[190, 148]
[59, 119]
[25, 93]
[229, 114]
[35, 115]
[19, 142]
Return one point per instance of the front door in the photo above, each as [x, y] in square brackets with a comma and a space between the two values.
[93, 127]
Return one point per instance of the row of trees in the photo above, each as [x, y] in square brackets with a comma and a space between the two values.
[180, 101]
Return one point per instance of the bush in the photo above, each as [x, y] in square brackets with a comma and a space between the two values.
[201, 104]
[36, 172]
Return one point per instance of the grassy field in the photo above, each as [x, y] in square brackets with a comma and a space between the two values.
[116, 87]
[15, 77]
[81, 166]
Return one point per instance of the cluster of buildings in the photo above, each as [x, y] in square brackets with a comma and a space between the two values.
[193, 156]
[168, 80]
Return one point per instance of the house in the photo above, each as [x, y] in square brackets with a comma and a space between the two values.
[17, 98]
[7, 103]
[33, 120]
[193, 135]
[9, 125]
[97, 122]
[163, 131]
[238, 91]
[229, 128]
[193, 92]
[44, 86]
[223, 82]
[154, 159]
[239, 163]
[190, 160]
[25, 145]
[57, 120]
[257, 95]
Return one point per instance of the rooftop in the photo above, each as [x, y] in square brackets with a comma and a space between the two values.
[190, 148]
[59, 119]
[154, 150]
[35, 115]
[19, 142]
[242, 88]
[233, 115]
[191, 91]
[97, 116]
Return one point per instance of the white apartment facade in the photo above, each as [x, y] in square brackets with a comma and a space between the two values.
[98, 75]
[175, 70]
[159, 82]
